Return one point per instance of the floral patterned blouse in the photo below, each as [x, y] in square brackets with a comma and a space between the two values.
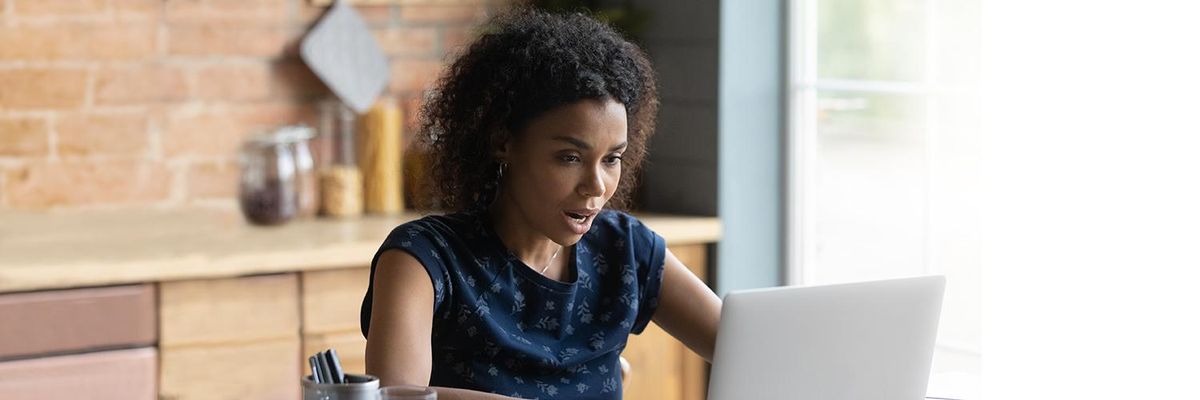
[502, 327]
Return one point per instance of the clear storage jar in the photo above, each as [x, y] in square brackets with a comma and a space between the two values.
[340, 179]
[298, 138]
[267, 188]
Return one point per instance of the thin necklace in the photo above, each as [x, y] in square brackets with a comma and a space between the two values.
[551, 262]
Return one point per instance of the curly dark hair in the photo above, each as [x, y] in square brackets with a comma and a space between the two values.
[523, 64]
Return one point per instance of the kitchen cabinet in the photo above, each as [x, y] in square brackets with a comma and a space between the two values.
[230, 338]
[62, 321]
[129, 374]
[331, 307]
[196, 304]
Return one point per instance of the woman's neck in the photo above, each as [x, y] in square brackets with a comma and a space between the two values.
[521, 239]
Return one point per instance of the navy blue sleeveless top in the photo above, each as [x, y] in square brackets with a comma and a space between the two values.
[500, 326]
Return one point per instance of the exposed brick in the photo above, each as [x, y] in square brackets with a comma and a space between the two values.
[309, 14]
[455, 37]
[269, 115]
[375, 16]
[411, 117]
[205, 134]
[42, 88]
[219, 132]
[140, 6]
[294, 80]
[143, 83]
[262, 6]
[291, 48]
[249, 81]
[413, 75]
[440, 13]
[107, 134]
[212, 180]
[227, 39]
[79, 41]
[407, 41]
[102, 146]
[256, 11]
[81, 182]
[380, 15]
[184, 10]
[24, 137]
[58, 7]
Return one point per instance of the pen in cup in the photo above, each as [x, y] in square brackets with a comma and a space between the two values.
[335, 366]
[316, 369]
[326, 367]
[326, 373]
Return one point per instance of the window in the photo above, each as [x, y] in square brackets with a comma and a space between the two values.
[882, 154]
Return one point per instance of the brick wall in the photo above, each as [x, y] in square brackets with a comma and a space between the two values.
[116, 103]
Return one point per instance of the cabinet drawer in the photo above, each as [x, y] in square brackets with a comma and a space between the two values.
[106, 375]
[655, 371]
[264, 370]
[229, 310]
[332, 299]
[76, 319]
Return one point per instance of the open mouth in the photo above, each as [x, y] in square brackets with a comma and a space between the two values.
[579, 218]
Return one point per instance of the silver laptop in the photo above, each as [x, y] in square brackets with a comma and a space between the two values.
[857, 341]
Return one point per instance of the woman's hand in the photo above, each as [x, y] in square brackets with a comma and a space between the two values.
[688, 309]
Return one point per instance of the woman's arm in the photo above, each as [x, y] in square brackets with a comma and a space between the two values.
[399, 348]
[688, 309]
[398, 344]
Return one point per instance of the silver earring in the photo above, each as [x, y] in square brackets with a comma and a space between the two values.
[500, 174]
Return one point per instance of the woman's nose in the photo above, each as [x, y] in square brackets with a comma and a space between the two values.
[593, 183]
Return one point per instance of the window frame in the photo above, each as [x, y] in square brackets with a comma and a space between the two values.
[802, 148]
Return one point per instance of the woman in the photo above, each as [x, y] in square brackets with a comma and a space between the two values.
[530, 287]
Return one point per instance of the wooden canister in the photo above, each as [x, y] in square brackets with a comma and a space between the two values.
[380, 159]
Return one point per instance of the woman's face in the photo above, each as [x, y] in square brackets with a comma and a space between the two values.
[565, 166]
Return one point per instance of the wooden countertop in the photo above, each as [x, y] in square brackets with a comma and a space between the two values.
[51, 250]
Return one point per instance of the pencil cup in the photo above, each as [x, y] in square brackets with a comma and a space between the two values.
[359, 387]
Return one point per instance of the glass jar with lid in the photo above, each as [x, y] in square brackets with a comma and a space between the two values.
[297, 138]
[340, 179]
[267, 188]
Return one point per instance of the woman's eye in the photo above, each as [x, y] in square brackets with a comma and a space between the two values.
[613, 160]
[569, 158]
